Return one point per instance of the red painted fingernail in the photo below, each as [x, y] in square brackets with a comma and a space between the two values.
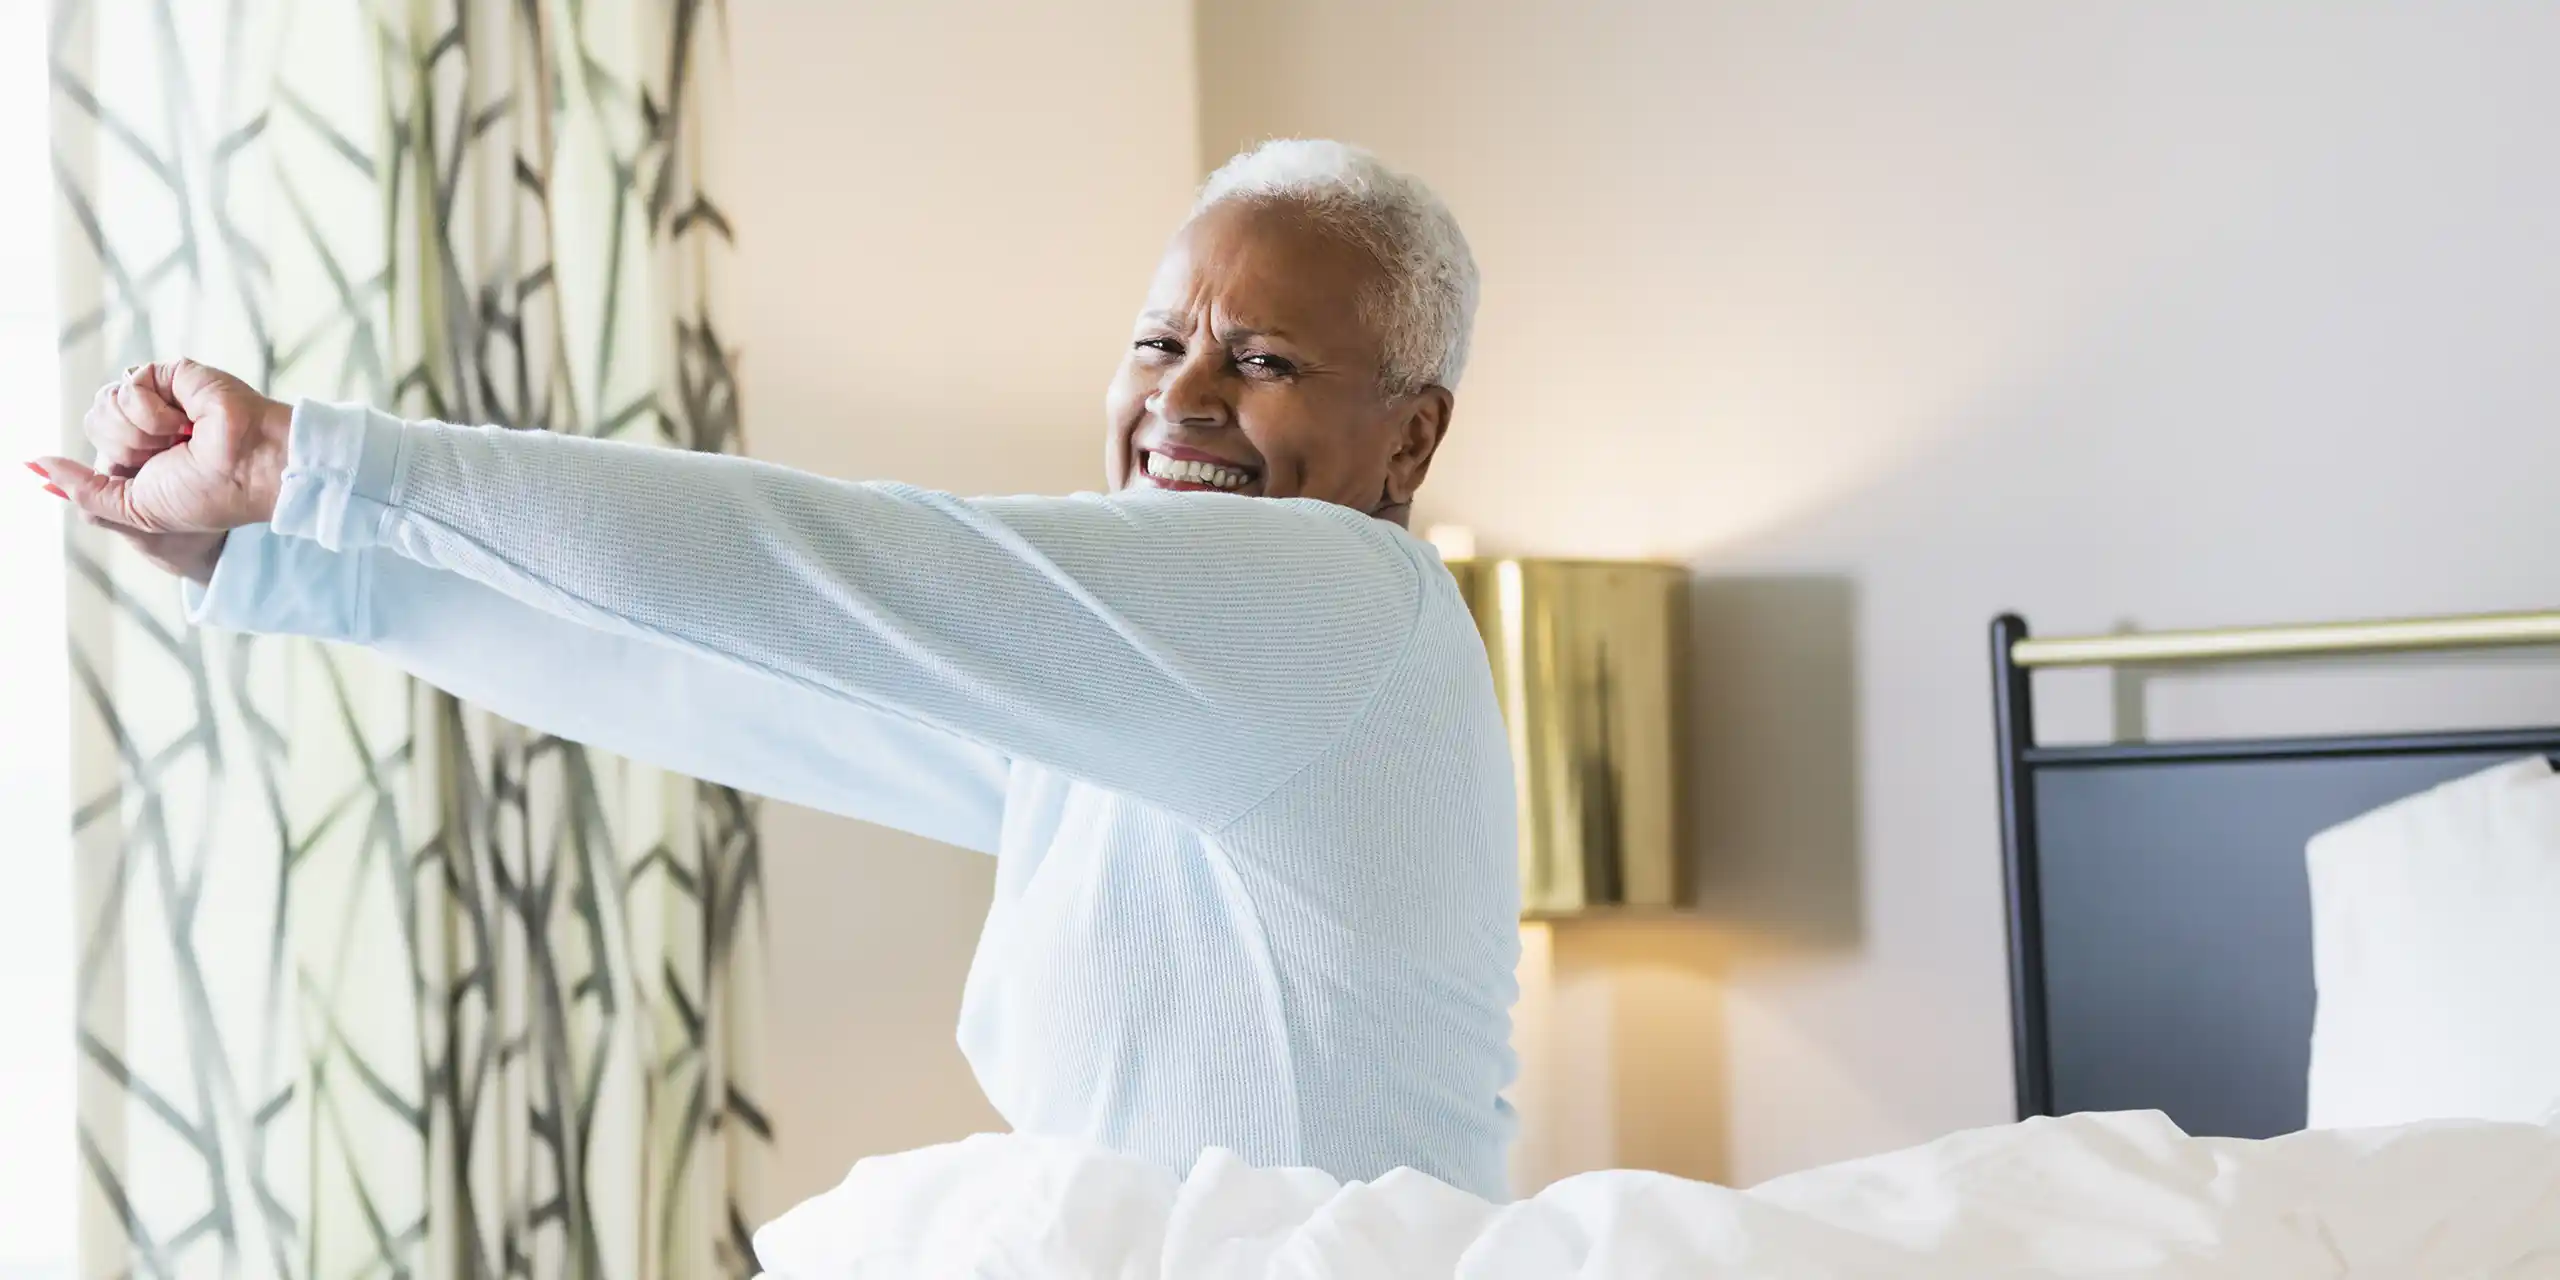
[57, 493]
[39, 471]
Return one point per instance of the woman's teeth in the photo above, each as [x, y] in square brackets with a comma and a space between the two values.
[1208, 473]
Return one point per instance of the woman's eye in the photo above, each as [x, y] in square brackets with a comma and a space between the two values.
[1165, 345]
[1268, 365]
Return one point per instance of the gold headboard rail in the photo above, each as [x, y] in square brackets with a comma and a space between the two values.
[2315, 639]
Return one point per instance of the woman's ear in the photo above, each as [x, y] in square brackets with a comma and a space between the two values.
[1424, 424]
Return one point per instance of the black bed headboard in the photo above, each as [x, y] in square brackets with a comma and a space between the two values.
[2159, 913]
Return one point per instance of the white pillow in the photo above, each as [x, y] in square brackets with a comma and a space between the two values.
[2435, 926]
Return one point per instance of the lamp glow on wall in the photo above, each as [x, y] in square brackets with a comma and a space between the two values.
[1586, 661]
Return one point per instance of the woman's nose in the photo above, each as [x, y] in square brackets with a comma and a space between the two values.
[1194, 396]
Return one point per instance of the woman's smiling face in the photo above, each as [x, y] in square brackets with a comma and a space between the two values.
[1255, 369]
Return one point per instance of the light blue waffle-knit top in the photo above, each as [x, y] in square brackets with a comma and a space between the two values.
[1238, 759]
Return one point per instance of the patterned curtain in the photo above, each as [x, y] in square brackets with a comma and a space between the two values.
[373, 984]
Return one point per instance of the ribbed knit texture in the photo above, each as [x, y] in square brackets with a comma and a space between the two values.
[1239, 759]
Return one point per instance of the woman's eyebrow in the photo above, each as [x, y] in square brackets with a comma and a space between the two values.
[1241, 332]
[1231, 333]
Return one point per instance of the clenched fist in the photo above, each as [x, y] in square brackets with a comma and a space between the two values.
[188, 449]
[188, 452]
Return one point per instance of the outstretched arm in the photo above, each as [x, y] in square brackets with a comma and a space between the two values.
[651, 702]
[1193, 650]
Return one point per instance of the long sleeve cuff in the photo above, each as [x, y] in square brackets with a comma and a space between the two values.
[342, 475]
[281, 586]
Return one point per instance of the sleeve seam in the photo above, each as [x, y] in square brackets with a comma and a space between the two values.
[395, 491]
[365, 558]
[1368, 706]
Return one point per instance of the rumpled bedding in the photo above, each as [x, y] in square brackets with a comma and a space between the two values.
[2119, 1194]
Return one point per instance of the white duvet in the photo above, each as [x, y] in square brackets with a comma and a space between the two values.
[2122, 1194]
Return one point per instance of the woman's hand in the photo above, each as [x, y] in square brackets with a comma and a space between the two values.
[188, 450]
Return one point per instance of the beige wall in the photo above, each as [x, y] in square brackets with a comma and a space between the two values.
[1891, 316]
[947, 213]
[1886, 317]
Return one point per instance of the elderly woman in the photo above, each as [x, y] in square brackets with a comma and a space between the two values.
[1227, 729]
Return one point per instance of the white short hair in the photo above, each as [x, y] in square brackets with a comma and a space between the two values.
[1427, 306]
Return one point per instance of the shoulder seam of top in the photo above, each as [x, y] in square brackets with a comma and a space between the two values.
[1377, 690]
